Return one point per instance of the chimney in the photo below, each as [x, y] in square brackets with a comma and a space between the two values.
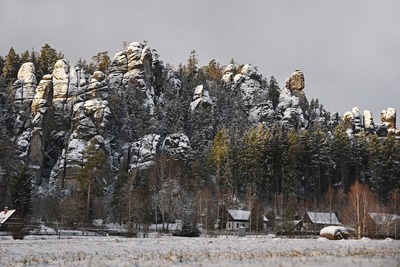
[5, 210]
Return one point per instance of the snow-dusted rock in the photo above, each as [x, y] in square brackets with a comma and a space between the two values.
[60, 79]
[357, 121]
[229, 73]
[334, 232]
[368, 121]
[143, 151]
[348, 120]
[25, 86]
[388, 118]
[292, 102]
[43, 96]
[177, 144]
[262, 113]
[201, 98]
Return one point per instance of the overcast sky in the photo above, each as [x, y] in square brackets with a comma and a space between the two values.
[349, 50]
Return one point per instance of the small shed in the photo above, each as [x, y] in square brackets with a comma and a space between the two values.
[315, 221]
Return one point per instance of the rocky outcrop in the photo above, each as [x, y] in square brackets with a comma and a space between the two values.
[368, 122]
[249, 82]
[388, 118]
[43, 98]
[177, 145]
[143, 151]
[229, 74]
[201, 98]
[25, 86]
[291, 109]
[296, 81]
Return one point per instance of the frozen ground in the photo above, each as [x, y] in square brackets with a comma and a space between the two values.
[176, 251]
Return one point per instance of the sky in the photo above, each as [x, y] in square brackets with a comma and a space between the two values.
[349, 51]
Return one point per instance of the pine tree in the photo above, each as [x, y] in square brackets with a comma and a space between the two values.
[21, 191]
[25, 57]
[48, 57]
[92, 175]
[11, 66]
[101, 61]
[340, 155]
[273, 91]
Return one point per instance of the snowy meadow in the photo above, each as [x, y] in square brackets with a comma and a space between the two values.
[178, 251]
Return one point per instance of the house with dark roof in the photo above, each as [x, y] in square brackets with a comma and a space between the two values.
[315, 221]
[11, 222]
[382, 225]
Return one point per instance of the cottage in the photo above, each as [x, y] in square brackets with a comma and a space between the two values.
[11, 222]
[240, 218]
[315, 221]
[382, 225]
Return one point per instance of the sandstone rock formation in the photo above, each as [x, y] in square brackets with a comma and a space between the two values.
[201, 98]
[292, 102]
[229, 73]
[177, 145]
[143, 151]
[296, 80]
[26, 84]
[368, 122]
[388, 118]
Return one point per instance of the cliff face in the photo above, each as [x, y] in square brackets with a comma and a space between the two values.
[127, 114]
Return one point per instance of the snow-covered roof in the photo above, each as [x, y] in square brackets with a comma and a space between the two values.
[381, 218]
[4, 216]
[239, 215]
[242, 215]
[323, 217]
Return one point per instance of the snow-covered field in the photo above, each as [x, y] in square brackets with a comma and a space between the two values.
[177, 251]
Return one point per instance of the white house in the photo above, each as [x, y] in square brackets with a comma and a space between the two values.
[240, 218]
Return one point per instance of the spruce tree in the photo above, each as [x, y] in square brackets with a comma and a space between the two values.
[21, 191]
[11, 65]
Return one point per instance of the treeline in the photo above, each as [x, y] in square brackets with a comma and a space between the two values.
[233, 164]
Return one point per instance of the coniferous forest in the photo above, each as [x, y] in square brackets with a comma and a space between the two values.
[134, 141]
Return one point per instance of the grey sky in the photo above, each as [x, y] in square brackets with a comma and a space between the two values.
[349, 51]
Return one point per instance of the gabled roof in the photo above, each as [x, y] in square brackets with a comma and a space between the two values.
[242, 215]
[322, 217]
[239, 215]
[381, 218]
[4, 217]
